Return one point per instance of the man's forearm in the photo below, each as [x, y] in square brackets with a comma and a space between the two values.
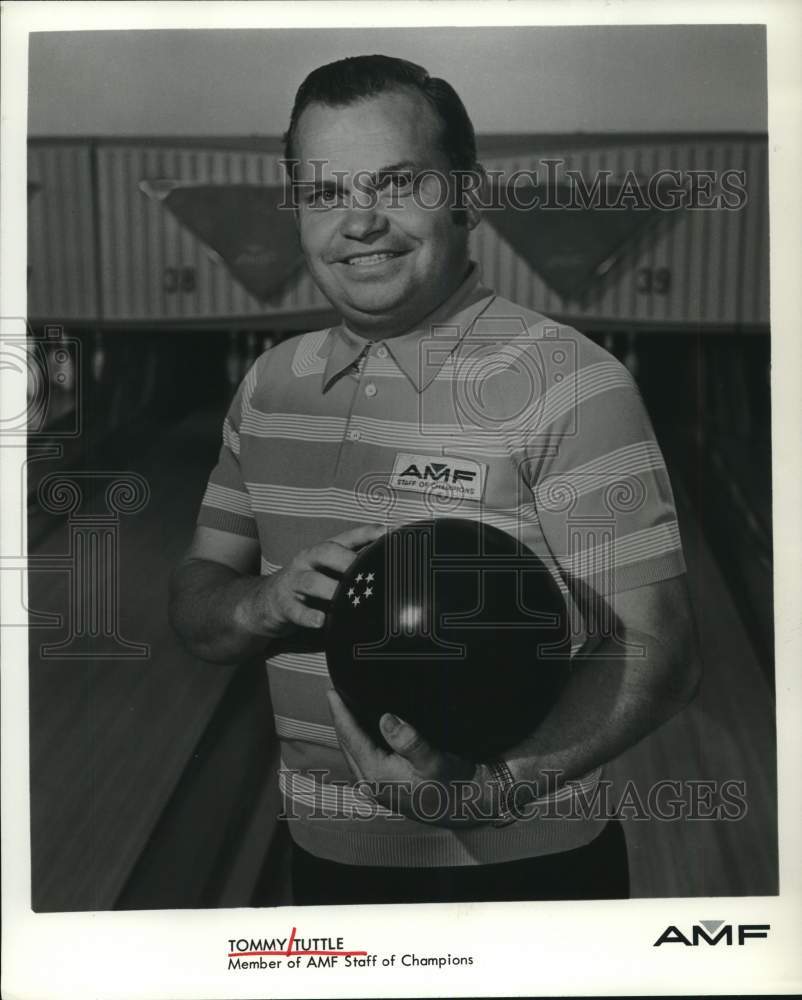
[207, 602]
[611, 701]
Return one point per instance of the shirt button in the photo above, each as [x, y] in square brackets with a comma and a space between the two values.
[382, 352]
[354, 435]
[370, 389]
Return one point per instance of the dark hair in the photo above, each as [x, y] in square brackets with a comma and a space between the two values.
[347, 81]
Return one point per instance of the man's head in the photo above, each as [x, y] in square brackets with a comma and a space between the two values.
[380, 152]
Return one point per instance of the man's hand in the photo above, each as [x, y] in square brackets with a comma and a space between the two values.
[284, 601]
[414, 778]
[224, 612]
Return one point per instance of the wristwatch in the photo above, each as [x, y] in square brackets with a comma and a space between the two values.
[502, 777]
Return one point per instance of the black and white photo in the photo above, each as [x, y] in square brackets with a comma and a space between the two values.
[395, 454]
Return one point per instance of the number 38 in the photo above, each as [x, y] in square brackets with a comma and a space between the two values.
[179, 279]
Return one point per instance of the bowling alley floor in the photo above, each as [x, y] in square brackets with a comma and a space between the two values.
[727, 734]
[112, 741]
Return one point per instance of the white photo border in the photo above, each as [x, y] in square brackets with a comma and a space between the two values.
[587, 948]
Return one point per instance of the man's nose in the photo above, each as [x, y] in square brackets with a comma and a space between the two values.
[363, 220]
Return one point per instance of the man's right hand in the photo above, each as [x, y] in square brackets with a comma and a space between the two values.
[285, 601]
[224, 612]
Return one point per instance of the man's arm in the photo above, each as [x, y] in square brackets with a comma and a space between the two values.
[224, 612]
[613, 698]
[619, 691]
[208, 589]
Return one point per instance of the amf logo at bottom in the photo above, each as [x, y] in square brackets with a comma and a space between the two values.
[713, 932]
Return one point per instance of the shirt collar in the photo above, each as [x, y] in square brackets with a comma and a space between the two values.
[421, 352]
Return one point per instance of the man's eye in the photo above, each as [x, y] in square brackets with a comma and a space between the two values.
[327, 198]
[399, 182]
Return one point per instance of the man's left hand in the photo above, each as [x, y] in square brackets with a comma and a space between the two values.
[413, 778]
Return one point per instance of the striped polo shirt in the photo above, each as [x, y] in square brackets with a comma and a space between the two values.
[551, 434]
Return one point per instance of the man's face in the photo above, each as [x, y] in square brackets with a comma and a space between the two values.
[382, 258]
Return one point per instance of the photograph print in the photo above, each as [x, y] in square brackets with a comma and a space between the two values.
[399, 513]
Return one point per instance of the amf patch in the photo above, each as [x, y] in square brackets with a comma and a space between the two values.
[460, 478]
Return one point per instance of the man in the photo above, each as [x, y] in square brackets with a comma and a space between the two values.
[429, 363]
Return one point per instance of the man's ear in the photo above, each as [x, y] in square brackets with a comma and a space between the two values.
[472, 195]
[473, 216]
[290, 192]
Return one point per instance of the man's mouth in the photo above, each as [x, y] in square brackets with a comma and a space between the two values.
[371, 259]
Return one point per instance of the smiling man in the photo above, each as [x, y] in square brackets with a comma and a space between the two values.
[429, 363]
[397, 253]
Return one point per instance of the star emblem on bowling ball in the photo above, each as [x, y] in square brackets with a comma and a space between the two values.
[362, 589]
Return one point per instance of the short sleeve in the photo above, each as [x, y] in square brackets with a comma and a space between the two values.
[602, 491]
[226, 503]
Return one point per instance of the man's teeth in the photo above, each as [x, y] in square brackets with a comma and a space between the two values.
[374, 258]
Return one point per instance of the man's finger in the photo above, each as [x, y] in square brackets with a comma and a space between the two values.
[353, 739]
[311, 583]
[408, 743]
[338, 553]
[355, 538]
[300, 614]
[331, 556]
[355, 768]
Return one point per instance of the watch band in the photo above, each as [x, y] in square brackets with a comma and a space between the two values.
[503, 778]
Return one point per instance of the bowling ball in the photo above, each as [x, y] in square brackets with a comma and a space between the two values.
[454, 626]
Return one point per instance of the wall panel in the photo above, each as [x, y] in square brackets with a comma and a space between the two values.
[714, 262]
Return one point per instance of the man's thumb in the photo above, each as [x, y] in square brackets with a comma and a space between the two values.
[408, 743]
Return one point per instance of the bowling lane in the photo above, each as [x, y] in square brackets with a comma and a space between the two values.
[726, 734]
[111, 738]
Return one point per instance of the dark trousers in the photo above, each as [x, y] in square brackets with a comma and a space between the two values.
[599, 870]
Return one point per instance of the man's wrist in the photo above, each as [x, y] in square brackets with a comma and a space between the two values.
[500, 784]
[245, 606]
[251, 613]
